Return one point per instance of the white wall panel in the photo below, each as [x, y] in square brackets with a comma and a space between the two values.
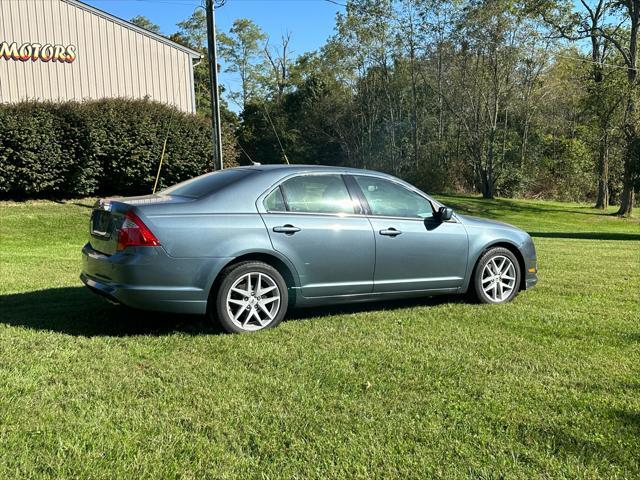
[114, 59]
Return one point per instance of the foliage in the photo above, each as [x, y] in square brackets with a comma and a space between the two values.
[106, 147]
[193, 30]
[545, 387]
[240, 49]
[144, 22]
[192, 33]
[453, 94]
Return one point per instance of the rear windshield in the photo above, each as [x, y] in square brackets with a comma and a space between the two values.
[206, 184]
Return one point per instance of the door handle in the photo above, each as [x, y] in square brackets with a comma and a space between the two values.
[287, 229]
[390, 232]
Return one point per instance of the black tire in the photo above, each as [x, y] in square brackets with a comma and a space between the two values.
[495, 297]
[225, 312]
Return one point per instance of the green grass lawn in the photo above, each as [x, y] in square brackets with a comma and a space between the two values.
[546, 387]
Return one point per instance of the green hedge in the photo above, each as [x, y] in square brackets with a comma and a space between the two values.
[106, 147]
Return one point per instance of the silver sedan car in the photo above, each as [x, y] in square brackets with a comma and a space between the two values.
[244, 244]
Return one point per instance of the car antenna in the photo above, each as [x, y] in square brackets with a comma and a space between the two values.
[164, 150]
[248, 156]
[284, 154]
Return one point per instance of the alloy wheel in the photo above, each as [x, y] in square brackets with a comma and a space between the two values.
[499, 278]
[253, 301]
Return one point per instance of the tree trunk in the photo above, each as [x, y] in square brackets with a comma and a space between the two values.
[628, 199]
[414, 94]
[628, 192]
[440, 99]
[487, 185]
[597, 57]
[602, 200]
[523, 148]
[631, 159]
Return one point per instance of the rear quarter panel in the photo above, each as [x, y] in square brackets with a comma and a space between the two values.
[190, 235]
[220, 225]
[205, 243]
[225, 225]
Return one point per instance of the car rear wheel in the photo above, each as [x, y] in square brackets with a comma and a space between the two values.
[497, 276]
[252, 296]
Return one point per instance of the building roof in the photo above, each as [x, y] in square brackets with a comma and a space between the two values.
[126, 24]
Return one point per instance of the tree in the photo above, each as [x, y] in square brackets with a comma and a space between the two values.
[626, 42]
[586, 20]
[193, 30]
[279, 64]
[496, 40]
[472, 95]
[144, 22]
[242, 51]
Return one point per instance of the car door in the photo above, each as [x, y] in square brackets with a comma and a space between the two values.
[314, 222]
[414, 250]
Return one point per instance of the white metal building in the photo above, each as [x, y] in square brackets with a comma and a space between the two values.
[61, 50]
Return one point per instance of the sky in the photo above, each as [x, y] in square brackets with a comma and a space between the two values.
[310, 22]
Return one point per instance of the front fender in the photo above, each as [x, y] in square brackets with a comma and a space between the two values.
[481, 239]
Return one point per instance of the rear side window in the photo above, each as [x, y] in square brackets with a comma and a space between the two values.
[389, 199]
[275, 201]
[318, 194]
[206, 184]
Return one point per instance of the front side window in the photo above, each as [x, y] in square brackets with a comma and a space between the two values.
[317, 194]
[389, 199]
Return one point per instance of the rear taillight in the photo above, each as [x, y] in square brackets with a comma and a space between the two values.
[134, 233]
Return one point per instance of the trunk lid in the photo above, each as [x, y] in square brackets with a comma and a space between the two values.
[108, 215]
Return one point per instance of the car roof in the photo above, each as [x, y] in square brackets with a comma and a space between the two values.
[278, 171]
[288, 169]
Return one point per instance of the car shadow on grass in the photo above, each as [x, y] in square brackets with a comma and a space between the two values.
[76, 311]
[350, 308]
[478, 205]
[588, 235]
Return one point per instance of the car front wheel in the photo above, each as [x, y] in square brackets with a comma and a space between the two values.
[252, 296]
[497, 276]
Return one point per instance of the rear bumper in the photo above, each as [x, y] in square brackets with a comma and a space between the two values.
[149, 279]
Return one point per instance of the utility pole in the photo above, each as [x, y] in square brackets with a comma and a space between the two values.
[216, 134]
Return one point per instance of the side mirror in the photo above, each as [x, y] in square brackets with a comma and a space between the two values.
[445, 213]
